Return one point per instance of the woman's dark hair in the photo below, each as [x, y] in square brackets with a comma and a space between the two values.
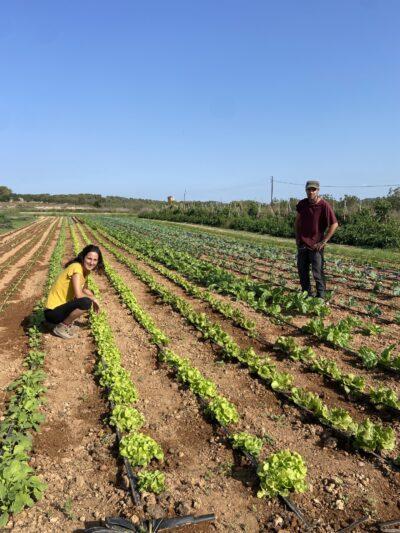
[82, 254]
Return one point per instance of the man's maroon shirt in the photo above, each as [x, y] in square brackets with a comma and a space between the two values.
[314, 220]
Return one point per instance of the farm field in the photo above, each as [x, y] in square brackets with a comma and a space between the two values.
[214, 367]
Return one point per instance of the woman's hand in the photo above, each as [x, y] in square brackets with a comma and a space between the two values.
[87, 292]
[96, 306]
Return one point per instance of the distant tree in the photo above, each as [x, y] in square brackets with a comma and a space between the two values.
[5, 193]
[382, 208]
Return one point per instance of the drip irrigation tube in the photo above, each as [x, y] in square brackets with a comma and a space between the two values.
[387, 527]
[149, 526]
[353, 524]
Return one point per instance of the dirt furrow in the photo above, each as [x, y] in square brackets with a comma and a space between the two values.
[13, 340]
[261, 410]
[332, 396]
[8, 237]
[8, 251]
[14, 273]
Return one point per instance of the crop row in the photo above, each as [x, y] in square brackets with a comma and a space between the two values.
[259, 296]
[366, 435]
[137, 447]
[195, 240]
[224, 308]
[337, 335]
[19, 487]
[350, 383]
[283, 471]
[278, 280]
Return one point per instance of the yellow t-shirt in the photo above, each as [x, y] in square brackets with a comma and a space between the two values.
[63, 291]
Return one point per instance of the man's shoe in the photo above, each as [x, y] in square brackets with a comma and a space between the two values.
[63, 331]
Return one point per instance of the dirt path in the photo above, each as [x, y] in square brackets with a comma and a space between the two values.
[264, 414]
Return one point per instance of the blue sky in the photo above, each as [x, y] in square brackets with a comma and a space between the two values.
[146, 99]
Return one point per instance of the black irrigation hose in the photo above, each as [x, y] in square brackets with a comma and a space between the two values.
[129, 472]
[150, 526]
[253, 461]
[386, 527]
[133, 483]
[353, 524]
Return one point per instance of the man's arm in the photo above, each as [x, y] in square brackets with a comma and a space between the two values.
[331, 230]
[297, 229]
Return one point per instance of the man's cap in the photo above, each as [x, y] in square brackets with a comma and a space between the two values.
[312, 183]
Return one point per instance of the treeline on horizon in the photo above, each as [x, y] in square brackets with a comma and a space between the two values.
[370, 222]
[84, 199]
[373, 222]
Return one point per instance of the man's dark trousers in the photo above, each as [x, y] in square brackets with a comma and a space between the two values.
[305, 258]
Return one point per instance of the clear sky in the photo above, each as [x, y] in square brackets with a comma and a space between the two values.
[149, 98]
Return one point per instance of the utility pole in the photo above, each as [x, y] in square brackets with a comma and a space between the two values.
[272, 188]
[184, 200]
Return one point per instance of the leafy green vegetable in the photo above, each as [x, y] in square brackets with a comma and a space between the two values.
[282, 473]
[151, 481]
[247, 442]
[140, 449]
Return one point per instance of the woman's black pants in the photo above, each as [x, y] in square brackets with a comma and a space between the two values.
[60, 313]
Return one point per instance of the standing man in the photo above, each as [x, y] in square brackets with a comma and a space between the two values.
[315, 224]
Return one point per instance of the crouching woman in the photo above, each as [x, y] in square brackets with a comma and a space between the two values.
[69, 297]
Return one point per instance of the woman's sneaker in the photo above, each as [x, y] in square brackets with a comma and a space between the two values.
[63, 331]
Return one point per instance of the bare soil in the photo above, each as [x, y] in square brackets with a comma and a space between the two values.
[332, 459]
[75, 450]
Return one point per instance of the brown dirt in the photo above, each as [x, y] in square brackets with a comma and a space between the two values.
[13, 342]
[293, 433]
[73, 453]
[11, 235]
[74, 450]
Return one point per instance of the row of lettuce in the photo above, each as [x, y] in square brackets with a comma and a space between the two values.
[281, 472]
[338, 334]
[366, 435]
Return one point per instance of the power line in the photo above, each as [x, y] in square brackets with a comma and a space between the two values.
[342, 186]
